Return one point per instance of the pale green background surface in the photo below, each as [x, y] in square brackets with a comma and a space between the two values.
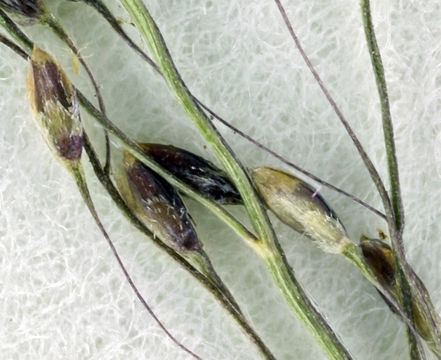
[62, 295]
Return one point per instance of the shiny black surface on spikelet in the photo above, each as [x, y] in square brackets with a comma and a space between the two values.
[195, 171]
[163, 207]
[29, 8]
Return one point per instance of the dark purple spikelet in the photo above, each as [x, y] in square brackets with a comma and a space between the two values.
[378, 255]
[160, 207]
[28, 8]
[49, 84]
[54, 106]
[196, 172]
[70, 147]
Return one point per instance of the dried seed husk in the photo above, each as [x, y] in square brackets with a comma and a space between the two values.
[195, 171]
[379, 257]
[54, 106]
[28, 8]
[298, 205]
[157, 205]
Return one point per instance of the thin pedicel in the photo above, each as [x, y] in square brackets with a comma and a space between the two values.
[54, 107]
[107, 183]
[37, 11]
[105, 12]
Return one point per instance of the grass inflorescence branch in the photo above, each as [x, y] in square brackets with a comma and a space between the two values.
[268, 246]
[407, 278]
[144, 186]
[214, 286]
[393, 211]
[106, 13]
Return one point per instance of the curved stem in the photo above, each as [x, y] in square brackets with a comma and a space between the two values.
[352, 253]
[78, 174]
[113, 192]
[207, 268]
[267, 240]
[50, 20]
[105, 12]
[209, 285]
[404, 269]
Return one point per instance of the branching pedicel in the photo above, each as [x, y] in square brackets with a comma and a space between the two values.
[363, 228]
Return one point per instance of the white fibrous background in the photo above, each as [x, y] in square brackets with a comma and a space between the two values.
[62, 295]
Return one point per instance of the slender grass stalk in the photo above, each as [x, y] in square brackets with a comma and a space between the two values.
[395, 234]
[211, 286]
[389, 142]
[396, 198]
[206, 267]
[78, 174]
[14, 47]
[366, 160]
[45, 17]
[52, 22]
[54, 108]
[105, 180]
[15, 32]
[270, 250]
[392, 162]
[105, 12]
[353, 254]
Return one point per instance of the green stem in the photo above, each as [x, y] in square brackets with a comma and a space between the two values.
[392, 163]
[77, 172]
[303, 307]
[15, 32]
[113, 192]
[406, 279]
[209, 285]
[352, 253]
[267, 245]
[113, 22]
[206, 267]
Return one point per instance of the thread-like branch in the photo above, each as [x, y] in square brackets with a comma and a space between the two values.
[214, 289]
[392, 163]
[364, 156]
[105, 180]
[78, 174]
[105, 12]
[268, 246]
[53, 23]
[394, 180]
